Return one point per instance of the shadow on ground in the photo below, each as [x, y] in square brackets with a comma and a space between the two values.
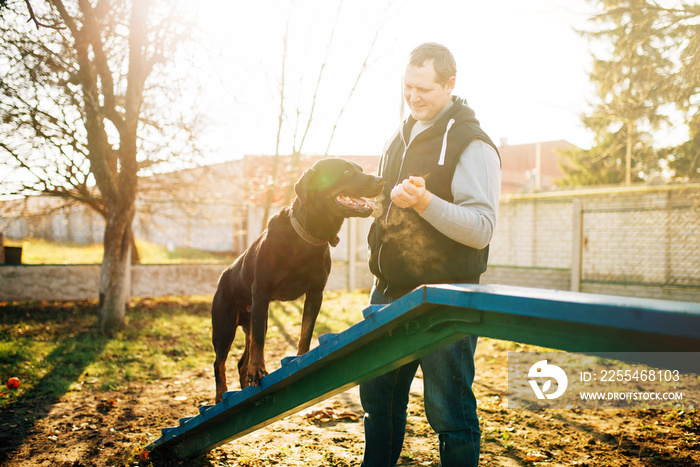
[77, 349]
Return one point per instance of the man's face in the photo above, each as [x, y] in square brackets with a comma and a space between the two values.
[424, 96]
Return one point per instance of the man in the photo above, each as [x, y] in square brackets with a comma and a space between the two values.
[443, 179]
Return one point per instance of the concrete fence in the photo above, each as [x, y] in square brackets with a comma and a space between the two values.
[77, 282]
[642, 241]
[81, 281]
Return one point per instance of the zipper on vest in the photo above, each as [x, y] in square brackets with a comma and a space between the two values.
[441, 161]
[386, 217]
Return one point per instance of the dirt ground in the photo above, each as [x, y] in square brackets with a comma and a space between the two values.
[89, 428]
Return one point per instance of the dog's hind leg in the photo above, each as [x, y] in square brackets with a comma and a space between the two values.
[243, 362]
[258, 330]
[224, 319]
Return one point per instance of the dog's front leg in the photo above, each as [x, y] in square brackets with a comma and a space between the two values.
[312, 306]
[258, 330]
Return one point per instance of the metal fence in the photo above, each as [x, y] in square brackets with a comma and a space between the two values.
[653, 246]
[645, 236]
[533, 233]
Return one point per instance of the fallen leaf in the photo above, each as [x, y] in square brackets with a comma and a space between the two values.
[352, 416]
[106, 405]
[535, 456]
[107, 440]
[326, 415]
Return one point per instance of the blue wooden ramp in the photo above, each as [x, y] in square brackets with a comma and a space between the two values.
[427, 319]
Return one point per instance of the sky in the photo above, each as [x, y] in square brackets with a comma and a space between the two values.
[520, 64]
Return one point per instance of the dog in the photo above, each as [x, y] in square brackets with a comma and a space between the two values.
[291, 258]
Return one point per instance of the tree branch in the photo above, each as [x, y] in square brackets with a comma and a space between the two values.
[98, 143]
[92, 31]
[320, 78]
[37, 23]
[363, 68]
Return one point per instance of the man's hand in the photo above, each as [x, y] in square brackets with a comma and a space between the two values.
[411, 193]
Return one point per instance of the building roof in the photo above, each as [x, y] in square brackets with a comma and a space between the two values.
[519, 162]
[247, 179]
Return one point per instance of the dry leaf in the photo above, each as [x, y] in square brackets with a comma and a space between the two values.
[107, 440]
[326, 415]
[106, 406]
[535, 456]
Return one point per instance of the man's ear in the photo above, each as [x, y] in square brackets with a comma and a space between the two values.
[302, 187]
[450, 85]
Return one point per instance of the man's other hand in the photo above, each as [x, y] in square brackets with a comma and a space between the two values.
[411, 193]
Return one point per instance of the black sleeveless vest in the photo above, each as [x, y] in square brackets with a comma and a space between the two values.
[405, 250]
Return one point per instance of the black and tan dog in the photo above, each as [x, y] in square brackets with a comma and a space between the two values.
[289, 259]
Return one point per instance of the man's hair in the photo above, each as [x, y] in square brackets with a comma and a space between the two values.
[443, 60]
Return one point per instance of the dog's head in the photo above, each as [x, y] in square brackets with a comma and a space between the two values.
[340, 187]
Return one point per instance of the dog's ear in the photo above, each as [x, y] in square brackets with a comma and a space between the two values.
[303, 186]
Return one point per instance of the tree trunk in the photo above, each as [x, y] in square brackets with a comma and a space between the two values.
[115, 275]
[135, 256]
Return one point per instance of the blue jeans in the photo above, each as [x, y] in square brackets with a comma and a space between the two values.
[450, 405]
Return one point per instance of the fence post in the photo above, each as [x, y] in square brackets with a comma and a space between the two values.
[352, 252]
[252, 227]
[577, 246]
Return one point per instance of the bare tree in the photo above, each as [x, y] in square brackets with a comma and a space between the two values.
[365, 65]
[280, 124]
[301, 118]
[81, 116]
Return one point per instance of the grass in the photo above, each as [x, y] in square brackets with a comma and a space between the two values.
[53, 347]
[39, 251]
[62, 361]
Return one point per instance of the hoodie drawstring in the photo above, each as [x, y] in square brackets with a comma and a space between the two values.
[443, 150]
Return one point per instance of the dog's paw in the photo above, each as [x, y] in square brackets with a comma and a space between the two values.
[255, 374]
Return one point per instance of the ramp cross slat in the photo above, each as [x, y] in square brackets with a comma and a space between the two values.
[427, 319]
